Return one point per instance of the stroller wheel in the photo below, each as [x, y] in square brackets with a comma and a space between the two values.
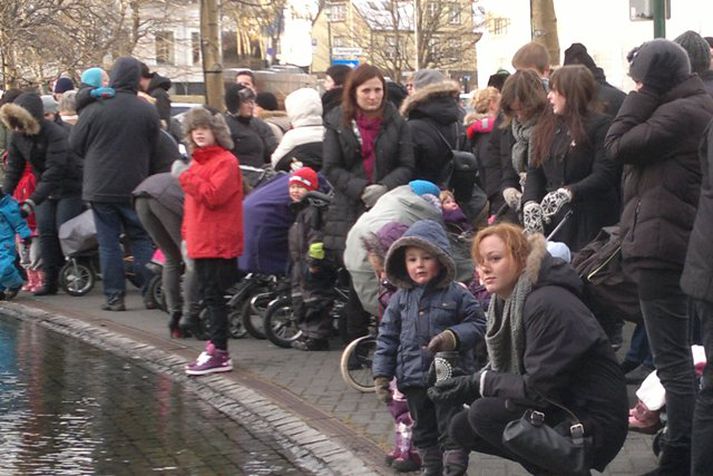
[155, 290]
[76, 278]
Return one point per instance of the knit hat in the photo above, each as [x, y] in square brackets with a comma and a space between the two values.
[235, 95]
[559, 250]
[577, 54]
[49, 105]
[63, 84]
[305, 177]
[709, 40]
[92, 77]
[424, 77]
[699, 52]
[267, 101]
[389, 233]
[676, 59]
[421, 187]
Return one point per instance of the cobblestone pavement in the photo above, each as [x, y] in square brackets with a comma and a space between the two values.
[307, 384]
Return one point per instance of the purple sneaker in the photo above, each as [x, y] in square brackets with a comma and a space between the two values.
[210, 361]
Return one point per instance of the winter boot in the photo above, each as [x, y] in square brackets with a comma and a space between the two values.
[173, 327]
[406, 460]
[455, 462]
[39, 279]
[431, 461]
[643, 420]
[30, 283]
[48, 287]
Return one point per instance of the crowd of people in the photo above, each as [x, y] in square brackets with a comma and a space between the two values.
[408, 174]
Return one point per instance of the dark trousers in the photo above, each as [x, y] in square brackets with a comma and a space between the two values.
[702, 444]
[357, 317]
[481, 427]
[215, 276]
[667, 327]
[50, 214]
[639, 348]
[431, 420]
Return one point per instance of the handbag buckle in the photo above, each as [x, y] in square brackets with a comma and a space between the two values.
[537, 418]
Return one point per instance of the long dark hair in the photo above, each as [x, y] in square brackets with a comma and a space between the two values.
[525, 90]
[359, 76]
[576, 83]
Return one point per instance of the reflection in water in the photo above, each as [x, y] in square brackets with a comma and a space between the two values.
[69, 408]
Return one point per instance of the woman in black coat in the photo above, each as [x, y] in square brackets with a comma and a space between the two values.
[545, 349]
[367, 152]
[570, 169]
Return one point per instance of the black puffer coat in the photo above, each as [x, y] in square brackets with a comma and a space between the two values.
[343, 167]
[586, 170]
[249, 147]
[429, 111]
[697, 279]
[43, 144]
[658, 138]
[117, 138]
[158, 89]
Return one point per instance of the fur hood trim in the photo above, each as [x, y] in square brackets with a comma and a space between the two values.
[538, 251]
[200, 116]
[445, 88]
[14, 116]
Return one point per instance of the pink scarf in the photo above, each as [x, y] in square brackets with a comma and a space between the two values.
[368, 129]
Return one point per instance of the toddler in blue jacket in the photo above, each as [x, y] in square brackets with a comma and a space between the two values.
[429, 313]
[11, 223]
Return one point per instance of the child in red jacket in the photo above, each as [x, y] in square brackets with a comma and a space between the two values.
[212, 225]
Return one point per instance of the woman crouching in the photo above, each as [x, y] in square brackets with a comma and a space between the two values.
[544, 346]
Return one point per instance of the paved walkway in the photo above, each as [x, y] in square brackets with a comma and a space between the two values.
[303, 384]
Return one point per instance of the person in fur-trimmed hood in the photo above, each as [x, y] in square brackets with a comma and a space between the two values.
[544, 346]
[212, 226]
[432, 109]
[429, 313]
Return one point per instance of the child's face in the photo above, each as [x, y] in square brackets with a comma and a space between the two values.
[377, 264]
[421, 265]
[449, 204]
[297, 192]
[203, 136]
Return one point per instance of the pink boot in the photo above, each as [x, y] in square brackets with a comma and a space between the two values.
[39, 279]
[643, 420]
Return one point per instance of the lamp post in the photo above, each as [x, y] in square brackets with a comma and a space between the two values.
[659, 18]
[415, 32]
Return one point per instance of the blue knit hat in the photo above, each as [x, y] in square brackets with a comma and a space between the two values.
[92, 77]
[62, 85]
[421, 187]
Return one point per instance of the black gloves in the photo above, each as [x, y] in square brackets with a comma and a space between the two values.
[464, 389]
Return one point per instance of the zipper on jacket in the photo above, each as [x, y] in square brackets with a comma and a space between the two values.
[636, 219]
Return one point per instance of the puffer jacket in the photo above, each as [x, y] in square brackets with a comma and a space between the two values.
[697, 278]
[43, 144]
[415, 314]
[304, 109]
[433, 112]
[657, 138]
[12, 224]
[249, 147]
[304, 232]
[213, 206]
[343, 167]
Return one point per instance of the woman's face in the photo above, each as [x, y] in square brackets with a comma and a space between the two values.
[370, 95]
[557, 101]
[498, 271]
[246, 108]
[329, 83]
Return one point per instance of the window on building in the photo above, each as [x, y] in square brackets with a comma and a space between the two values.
[196, 47]
[336, 12]
[454, 14]
[339, 41]
[499, 25]
[391, 46]
[164, 47]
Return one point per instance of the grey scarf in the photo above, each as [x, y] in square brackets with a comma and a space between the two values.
[522, 149]
[505, 333]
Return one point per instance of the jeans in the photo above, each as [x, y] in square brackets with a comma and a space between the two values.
[666, 320]
[50, 214]
[215, 276]
[639, 348]
[702, 444]
[164, 226]
[111, 218]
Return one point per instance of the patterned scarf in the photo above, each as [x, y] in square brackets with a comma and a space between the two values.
[505, 333]
[522, 149]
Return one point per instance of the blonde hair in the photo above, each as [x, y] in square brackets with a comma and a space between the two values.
[445, 194]
[482, 99]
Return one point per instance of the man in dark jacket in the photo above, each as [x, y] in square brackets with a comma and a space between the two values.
[607, 94]
[249, 147]
[697, 283]
[42, 144]
[656, 136]
[157, 87]
[117, 138]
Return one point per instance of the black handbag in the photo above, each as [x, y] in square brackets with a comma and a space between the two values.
[563, 452]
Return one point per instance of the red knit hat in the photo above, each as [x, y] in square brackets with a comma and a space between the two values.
[305, 177]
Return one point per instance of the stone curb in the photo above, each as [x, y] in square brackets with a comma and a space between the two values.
[310, 449]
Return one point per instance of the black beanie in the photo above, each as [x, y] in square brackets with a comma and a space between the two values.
[640, 60]
[577, 54]
[699, 52]
[235, 94]
[267, 101]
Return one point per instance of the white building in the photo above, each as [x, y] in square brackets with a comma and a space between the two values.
[603, 26]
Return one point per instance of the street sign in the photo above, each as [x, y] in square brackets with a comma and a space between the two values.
[347, 52]
[352, 63]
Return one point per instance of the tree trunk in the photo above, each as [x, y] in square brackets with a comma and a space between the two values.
[210, 49]
[544, 27]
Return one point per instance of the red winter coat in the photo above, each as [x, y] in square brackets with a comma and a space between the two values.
[213, 208]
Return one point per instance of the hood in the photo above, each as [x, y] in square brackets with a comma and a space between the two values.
[304, 107]
[436, 101]
[125, 74]
[159, 82]
[24, 114]
[426, 234]
[544, 270]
